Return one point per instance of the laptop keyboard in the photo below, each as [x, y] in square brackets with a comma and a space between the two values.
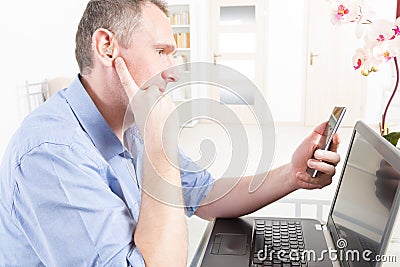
[278, 243]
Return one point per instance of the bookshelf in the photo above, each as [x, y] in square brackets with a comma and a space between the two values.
[179, 15]
[181, 23]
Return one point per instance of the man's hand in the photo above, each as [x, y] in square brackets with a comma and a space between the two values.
[323, 161]
[153, 112]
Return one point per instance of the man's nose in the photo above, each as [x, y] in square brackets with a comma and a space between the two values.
[171, 74]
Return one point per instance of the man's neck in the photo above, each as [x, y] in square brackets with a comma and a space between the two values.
[107, 102]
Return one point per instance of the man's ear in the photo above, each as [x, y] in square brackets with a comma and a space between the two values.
[105, 46]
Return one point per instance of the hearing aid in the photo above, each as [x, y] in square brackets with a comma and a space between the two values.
[108, 51]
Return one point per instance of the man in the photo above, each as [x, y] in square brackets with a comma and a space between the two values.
[86, 183]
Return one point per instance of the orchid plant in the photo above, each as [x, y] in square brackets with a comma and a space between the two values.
[381, 41]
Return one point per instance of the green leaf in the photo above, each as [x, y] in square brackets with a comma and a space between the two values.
[393, 138]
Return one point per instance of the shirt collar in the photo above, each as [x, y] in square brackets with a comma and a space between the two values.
[91, 120]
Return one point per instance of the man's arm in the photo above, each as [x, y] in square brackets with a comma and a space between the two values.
[161, 227]
[66, 212]
[232, 197]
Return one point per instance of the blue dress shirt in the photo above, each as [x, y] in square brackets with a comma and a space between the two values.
[70, 190]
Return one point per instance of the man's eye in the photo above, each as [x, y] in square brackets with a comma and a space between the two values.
[160, 51]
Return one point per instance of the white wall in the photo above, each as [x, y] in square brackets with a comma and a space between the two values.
[37, 42]
[285, 69]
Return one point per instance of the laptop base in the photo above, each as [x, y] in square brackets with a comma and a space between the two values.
[230, 243]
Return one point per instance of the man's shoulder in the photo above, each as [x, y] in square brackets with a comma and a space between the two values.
[52, 123]
[49, 131]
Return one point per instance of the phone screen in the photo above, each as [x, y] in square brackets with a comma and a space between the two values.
[330, 129]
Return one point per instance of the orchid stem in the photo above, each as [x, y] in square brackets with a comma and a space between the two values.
[394, 92]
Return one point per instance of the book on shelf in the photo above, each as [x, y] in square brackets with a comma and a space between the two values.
[182, 39]
[182, 18]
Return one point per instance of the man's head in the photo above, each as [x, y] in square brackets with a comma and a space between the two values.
[117, 18]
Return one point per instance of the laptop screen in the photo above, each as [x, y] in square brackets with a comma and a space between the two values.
[365, 197]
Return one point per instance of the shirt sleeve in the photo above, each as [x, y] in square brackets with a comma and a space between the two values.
[196, 183]
[67, 211]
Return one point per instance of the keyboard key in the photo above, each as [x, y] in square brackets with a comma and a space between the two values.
[260, 222]
[258, 243]
[256, 260]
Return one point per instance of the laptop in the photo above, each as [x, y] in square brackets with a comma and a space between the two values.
[359, 224]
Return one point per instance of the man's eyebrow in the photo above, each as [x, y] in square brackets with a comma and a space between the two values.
[169, 47]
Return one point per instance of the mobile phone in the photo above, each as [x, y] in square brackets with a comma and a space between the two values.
[330, 129]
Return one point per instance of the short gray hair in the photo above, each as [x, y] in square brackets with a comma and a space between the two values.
[121, 17]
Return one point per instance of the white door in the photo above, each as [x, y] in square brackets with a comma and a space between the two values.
[237, 42]
[331, 78]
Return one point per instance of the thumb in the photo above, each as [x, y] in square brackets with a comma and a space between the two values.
[316, 134]
[320, 128]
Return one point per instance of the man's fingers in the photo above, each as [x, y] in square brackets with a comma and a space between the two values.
[305, 181]
[321, 166]
[125, 77]
[327, 156]
[335, 143]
